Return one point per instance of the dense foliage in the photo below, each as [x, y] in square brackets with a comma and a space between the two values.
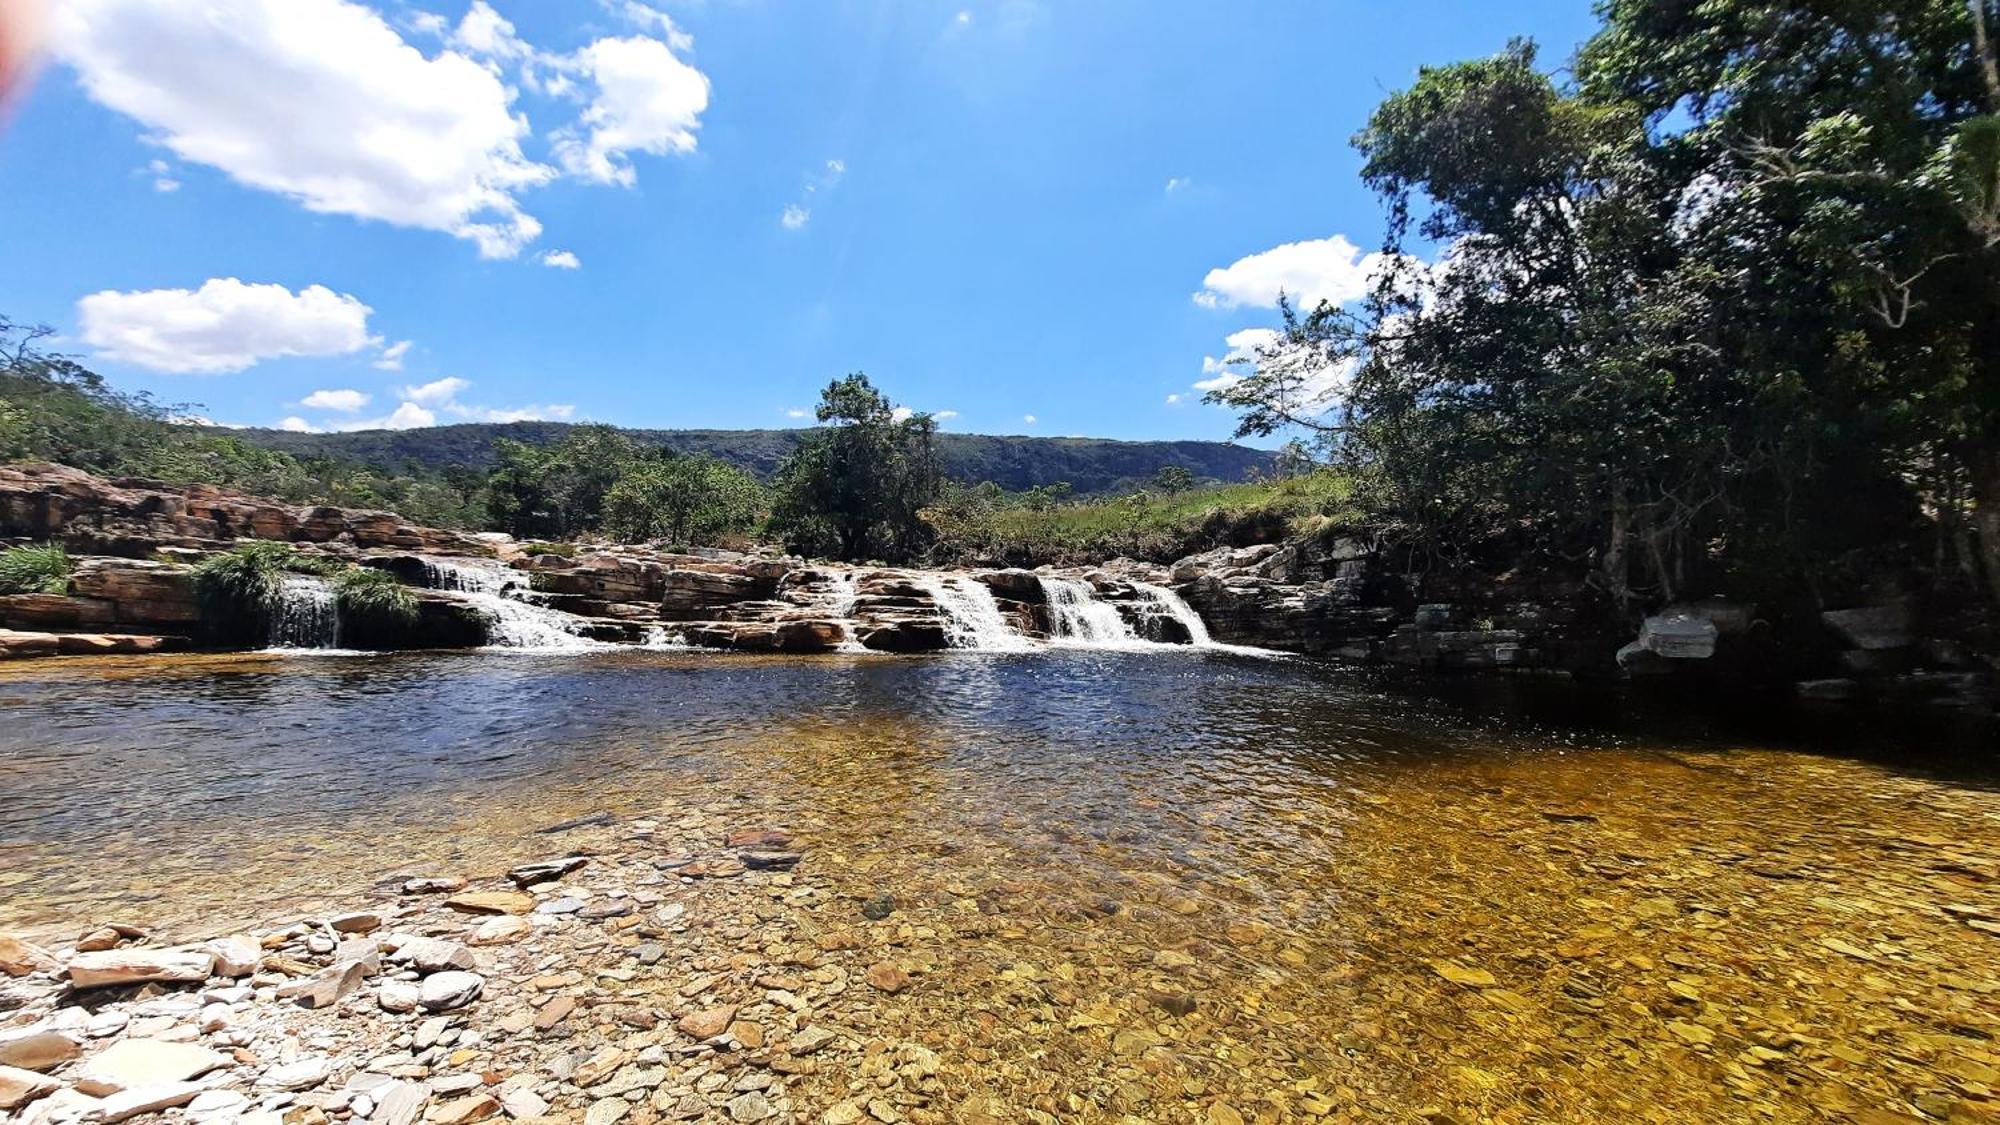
[855, 487]
[597, 479]
[34, 568]
[1716, 312]
[372, 602]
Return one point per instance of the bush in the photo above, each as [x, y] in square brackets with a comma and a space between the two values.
[39, 568]
[560, 550]
[238, 590]
[374, 607]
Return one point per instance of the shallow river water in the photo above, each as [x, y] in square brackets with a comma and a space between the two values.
[1143, 886]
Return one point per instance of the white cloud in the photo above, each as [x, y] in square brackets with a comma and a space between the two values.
[344, 400]
[1244, 347]
[1175, 399]
[408, 416]
[647, 100]
[226, 325]
[556, 412]
[164, 184]
[795, 217]
[562, 260]
[318, 100]
[901, 414]
[1028, 418]
[297, 425]
[1326, 269]
[391, 358]
[439, 391]
[795, 412]
[1176, 183]
[652, 19]
[488, 34]
[945, 415]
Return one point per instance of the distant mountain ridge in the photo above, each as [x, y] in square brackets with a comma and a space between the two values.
[1090, 465]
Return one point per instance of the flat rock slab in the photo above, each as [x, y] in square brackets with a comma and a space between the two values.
[130, 1064]
[546, 871]
[37, 1048]
[491, 902]
[19, 1087]
[19, 958]
[139, 966]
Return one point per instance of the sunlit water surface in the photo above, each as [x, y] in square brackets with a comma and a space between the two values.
[1378, 907]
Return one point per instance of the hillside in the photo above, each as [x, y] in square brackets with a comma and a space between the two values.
[1091, 465]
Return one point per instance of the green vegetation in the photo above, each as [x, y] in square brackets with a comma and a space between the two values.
[36, 568]
[239, 589]
[372, 602]
[854, 488]
[1714, 312]
[598, 480]
[986, 524]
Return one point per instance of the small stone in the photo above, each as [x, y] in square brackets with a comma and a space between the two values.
[399, 1104]
[144, 1100]
[879, 907]
[598, 1067]
[19, 1087]
[326, 987]
[432, 955]
[19, 958]
[358, 922]
[1459, 974]
[888, 978]
[491, 902]
[431, 1031]
[397, 996]
[215, 1017]
[606, 1112]
[567, 904]
[707, 1024]
[138, 966]
[99, 940]
[546, 871]
[434, 885]
[473, 1107]
[748, 1035]
[811, 1039]
[218, 1102]
[442, 992]
[759, 839]
[648, 953]
[235, 956]
[770, 861]
[131, 1063]
[554, 1012]
[752, 1106]
[37, 1048]
[301, 1075]
[500, 931]
[1173, 960]
[600, 911]
[519, 1103]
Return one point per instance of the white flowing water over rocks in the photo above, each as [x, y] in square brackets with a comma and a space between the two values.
[516, 624]
[307, 615]
[845, 594]
[1077, 617]
[972, 618]
[1171, 605]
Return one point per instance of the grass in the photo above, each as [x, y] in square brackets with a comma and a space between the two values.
[374, 601]
[38, 568]
[1154, 524]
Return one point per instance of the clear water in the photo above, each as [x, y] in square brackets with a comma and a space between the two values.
[1381, 907]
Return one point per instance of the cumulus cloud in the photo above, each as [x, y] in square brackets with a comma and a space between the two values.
[795, 412]
[437, 391]
[647, 100]
[318, 100]
[323, 101]
[345, 400]
[794, 217]
[1176, 183]
[391, 358]
[297, 425]
[226, 325]
[1327, 269]
[1028, 418]
[562, 260]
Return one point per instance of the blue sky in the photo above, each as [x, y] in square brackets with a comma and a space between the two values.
[1002, 209]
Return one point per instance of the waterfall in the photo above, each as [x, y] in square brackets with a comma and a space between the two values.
[972, 618]
[844, 596]
[307, 614]
[1076, 617]
[516, 624]
[1170, 604]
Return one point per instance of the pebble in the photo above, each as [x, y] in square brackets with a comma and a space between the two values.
[442, 992]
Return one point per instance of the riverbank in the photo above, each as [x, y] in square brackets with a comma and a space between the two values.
[1109, 904]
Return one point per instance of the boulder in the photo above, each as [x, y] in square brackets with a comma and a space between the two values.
[1678, 636]
[1015, 584]
[443, 992]
[907, 634]
[18, 958]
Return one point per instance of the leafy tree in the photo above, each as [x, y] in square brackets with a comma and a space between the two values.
[856, 485]
[683, 500]
[1172, 479]
[558, 491]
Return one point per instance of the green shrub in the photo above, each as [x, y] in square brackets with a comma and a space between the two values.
[320, 566]
[561, 550]
[372, 601]
[39, 568]
[238, 590]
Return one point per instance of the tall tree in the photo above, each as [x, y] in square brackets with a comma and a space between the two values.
[856, 484]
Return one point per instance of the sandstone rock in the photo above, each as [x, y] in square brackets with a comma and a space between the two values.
[500, 931]
[708, 1023]
[888, 978]
[399, 1104]
[519, 1103]
[752, 1106]
[491, 902]
[608, 1111]
[326, 987]
[546, 871]
[473, 1107]
[443, 992]
[17, 645]
[137, 966]
[397, 996]
[432, 955]
[554, 1012]
[138, 1102]
[357, 922]
[131, 1063]
[19, 958]
[303, 1074]
[235, 956]
[433, 885]
[37, 1048]
[18, 1087]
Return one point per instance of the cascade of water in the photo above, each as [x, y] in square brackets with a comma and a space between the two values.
[845, 594]
[516, 624]
[972, 618]
[307, 614]
[1077, 617]
[1169, 604]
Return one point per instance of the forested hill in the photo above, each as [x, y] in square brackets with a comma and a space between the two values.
[1090, 465]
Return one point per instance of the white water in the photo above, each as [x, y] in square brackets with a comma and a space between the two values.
[1169, 604]
[516, 624]
[972, 618]
[1077, 618]
[307, 615]
[844, 596]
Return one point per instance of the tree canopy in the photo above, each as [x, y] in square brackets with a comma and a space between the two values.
[856, 486]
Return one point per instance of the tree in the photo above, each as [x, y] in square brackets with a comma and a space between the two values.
[684, 500]
[558, 491]
[855, 486]
[1172, 479]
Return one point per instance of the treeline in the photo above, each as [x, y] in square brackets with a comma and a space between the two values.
[54, 409]
[1716, 307]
